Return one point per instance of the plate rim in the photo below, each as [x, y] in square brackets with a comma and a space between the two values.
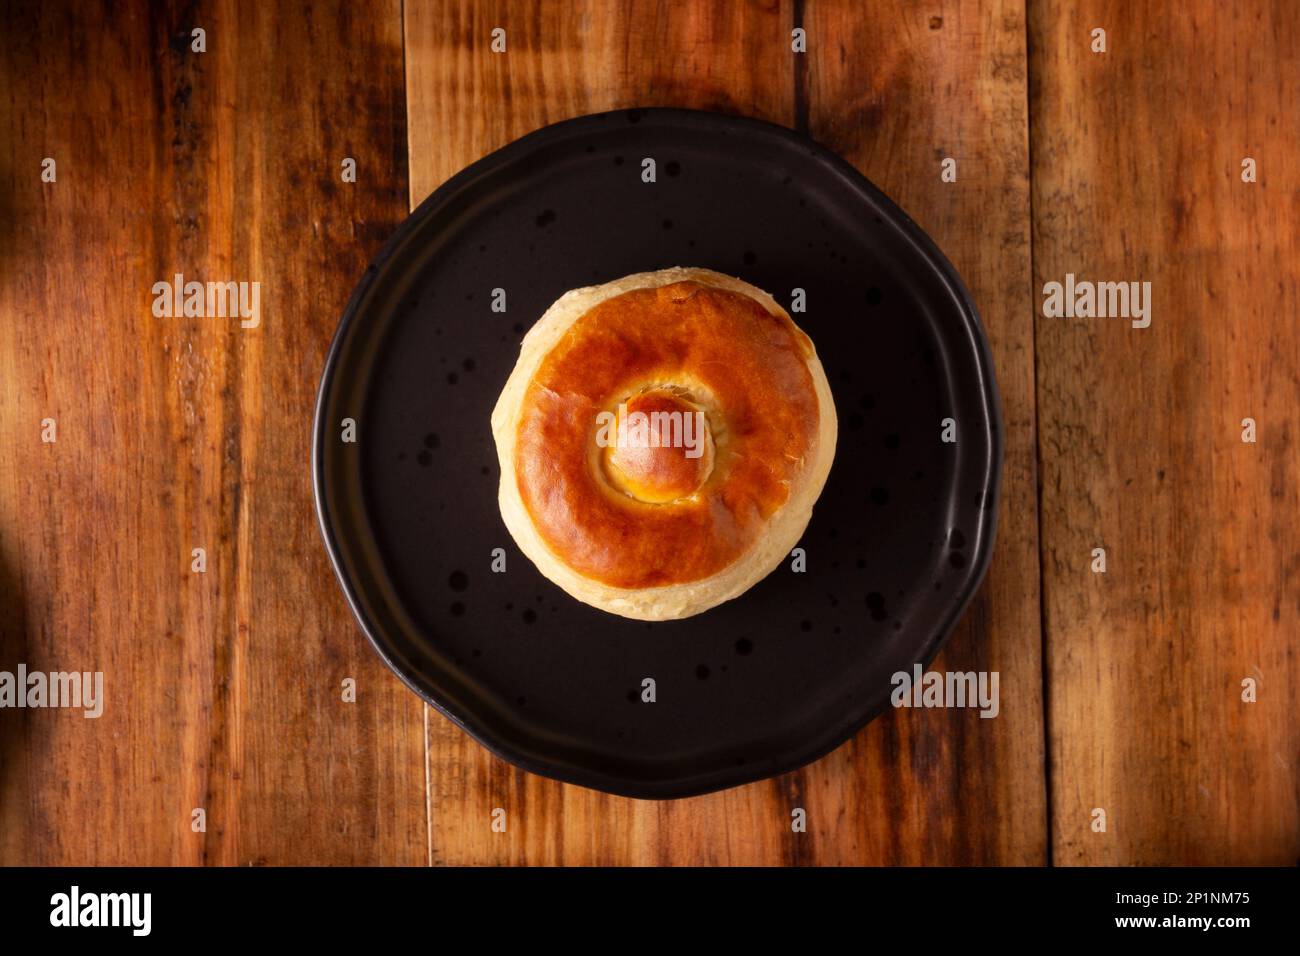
[722, 777]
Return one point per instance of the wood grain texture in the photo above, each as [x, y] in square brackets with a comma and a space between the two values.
[895, 92]
[1137, 176]
[907, 790]
[464, 101]
[223, 688]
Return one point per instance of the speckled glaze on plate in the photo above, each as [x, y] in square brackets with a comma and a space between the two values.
[898, 542]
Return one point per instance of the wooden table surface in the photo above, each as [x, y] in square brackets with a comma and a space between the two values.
[1121, 691]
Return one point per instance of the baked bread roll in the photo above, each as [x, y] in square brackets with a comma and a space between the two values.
[662, 441]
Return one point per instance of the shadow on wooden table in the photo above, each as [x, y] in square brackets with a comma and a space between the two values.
[13, 721]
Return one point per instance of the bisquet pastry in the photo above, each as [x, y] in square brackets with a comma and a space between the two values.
[662, 441]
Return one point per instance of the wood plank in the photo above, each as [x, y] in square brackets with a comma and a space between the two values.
[1137, 158]
[867, 802]
[223, 688]
[895, 93]
[565, 60]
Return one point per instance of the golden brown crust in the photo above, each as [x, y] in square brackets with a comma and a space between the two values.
[745, 367]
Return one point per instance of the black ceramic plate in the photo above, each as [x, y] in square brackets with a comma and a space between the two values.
[763, 684]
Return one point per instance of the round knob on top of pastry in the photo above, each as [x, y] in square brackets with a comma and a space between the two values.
[662, 441]
[660, 450]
